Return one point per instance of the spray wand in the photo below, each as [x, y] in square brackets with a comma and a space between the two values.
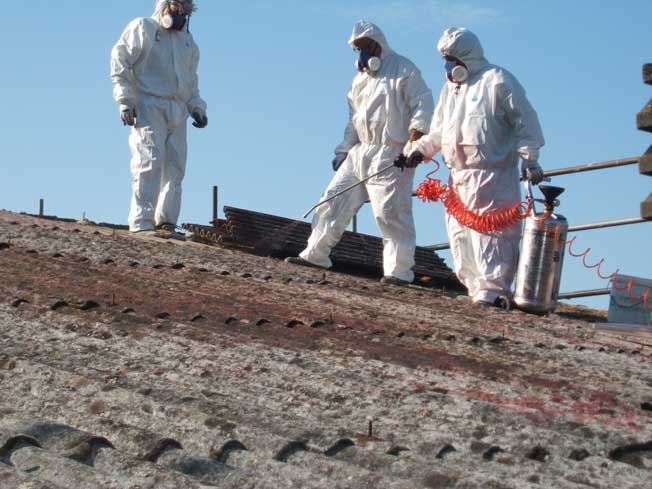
[400, 162]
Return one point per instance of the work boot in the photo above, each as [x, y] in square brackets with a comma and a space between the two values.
[297, 260]
[146, 233]
[169, 231]
[501, 302]
[387, 280]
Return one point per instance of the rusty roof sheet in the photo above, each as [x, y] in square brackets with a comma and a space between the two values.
[269, 235]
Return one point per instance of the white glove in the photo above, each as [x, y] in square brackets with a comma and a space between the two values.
[532, 171]
[128, 115]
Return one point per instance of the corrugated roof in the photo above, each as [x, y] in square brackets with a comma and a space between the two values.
[128, 362]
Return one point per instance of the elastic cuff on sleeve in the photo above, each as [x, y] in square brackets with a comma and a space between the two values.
[419, 127]
[529, 154]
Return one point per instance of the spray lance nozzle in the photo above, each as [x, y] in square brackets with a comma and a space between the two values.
[550, 195]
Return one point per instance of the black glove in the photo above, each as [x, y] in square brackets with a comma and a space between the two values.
[128, 115]
[201, 121]
[532, 171]
[415, 159]
[401, 161]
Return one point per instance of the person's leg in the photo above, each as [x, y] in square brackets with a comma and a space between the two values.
[174, 170]
[496, 258]
[497, 254]
[391, 200]
[464, 242]
[462, 251]
[332, 218]
[148, 151]
[493, 256]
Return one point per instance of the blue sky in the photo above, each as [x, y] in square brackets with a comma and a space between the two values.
[276, 74]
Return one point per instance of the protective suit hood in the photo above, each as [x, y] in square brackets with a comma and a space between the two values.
[161, 4]
[363, 28]
[158, 11]
[464, 45]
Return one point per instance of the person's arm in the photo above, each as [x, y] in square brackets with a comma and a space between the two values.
[522, 117]
[421, 104]
[350, 134]
[196, 103]
[525, 121]
[124, 56]
[430, 144]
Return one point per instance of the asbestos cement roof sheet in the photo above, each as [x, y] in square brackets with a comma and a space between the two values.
[129, 362]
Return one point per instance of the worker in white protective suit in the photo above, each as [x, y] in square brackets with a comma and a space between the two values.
[154, 75]
[482, 125]
[389, 105]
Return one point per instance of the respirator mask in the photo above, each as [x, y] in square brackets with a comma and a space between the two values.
[174, 22]
[368, 62]
[456, 71]
[178, 13]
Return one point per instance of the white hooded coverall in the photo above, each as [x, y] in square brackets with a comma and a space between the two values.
[383, 108]
[481, 128]
[155, 70]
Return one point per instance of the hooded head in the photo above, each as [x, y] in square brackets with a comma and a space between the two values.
[364, 29]
[188, 7]
[462, 44]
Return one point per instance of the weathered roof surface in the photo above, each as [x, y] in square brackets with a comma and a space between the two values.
[135, 363]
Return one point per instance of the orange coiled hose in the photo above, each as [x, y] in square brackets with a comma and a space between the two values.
[432, 190]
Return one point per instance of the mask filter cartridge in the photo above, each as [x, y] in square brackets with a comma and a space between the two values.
[174, 22]
[368, 62]
[456, 72]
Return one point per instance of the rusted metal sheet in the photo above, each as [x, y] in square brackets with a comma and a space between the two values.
[644, 122]
[281, 237]
[645, 163]
[646, 208]
[647, 73]
[268, 235]
[210, 233]
[644, 118]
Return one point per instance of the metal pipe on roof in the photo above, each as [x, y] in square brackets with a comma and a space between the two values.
[607, 224]
[439, 247]
[572, 229]
[215, 206]
[591, 167]
[584, 293]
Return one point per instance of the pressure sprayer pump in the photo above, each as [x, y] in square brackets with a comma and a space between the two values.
[542, 255]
